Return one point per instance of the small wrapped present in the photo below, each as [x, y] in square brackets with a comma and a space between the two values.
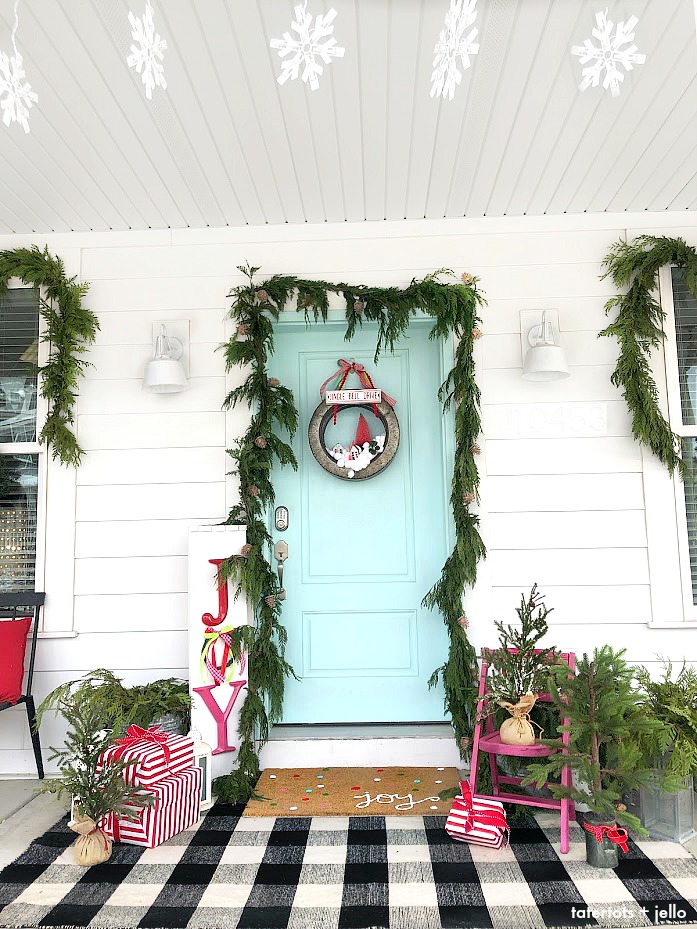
[156, 755]
[478, 820]
[176, 806]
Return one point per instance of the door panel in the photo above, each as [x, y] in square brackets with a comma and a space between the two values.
[363, 553]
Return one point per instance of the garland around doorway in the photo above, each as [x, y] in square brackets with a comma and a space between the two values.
[256, 306]
[69, 330]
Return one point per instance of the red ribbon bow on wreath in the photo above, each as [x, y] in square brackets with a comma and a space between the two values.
[345, 368]
[135, 735]
[474, 817]
[614, 834]
[219, 671]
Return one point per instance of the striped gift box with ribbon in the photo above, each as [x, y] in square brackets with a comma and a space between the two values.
[157, 754]
[478, 820]
[176, 806]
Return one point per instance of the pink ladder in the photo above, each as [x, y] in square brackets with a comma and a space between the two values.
[489, 742]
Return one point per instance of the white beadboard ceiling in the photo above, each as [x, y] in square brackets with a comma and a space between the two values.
[226, 145]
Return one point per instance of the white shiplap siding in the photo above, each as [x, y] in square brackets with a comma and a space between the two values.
[569, 513]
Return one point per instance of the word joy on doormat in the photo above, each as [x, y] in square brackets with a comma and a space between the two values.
[352, 792]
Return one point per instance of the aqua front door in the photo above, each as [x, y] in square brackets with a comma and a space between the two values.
[362, 553]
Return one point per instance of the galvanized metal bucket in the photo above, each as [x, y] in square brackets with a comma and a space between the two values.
[603, 853]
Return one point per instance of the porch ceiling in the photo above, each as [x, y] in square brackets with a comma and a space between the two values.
[226, 145]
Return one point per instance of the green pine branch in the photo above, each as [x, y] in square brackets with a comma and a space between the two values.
[69, 331]
[638, 327]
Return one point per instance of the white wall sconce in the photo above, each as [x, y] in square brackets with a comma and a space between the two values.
[165, 372]
[543, 357]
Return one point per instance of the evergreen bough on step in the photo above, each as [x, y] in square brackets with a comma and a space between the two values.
[69, 330]
[256, 306]
[639, 329]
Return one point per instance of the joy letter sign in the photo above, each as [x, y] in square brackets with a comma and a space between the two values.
[372, 395]
[218, 679]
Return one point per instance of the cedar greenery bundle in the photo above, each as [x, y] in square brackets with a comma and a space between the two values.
[255, 309]
[639, 329]
[609, 724]
[672, 749]
[70, 330]
[96, 793]
[118, 707]
[512, 674]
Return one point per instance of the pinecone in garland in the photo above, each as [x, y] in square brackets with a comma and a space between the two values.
[359, 306]
[253, 490]
[246, 550]
[242, 329]
[260, 441]
[262, 295]
[274, 382]
[476, 334]
[463, 622]
[270, 601]
[468, 498]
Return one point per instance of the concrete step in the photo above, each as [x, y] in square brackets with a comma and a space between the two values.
[350, 745]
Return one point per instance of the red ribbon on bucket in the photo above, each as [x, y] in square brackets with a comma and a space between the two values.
[614, 833]
[346, 368]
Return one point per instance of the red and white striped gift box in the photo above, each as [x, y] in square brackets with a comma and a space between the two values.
[157, 755]
[177, 806]
[478, 820]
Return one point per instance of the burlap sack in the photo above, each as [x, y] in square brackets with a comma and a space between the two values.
[91, 846]
[518, 729]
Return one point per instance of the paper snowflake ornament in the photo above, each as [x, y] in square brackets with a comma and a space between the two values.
[609, 54]
[147, 52]
[16, 95]
[454, 48]
[311, 45]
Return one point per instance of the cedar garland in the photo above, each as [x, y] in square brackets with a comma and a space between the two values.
[255, 309]
[70, 329]
[639, 329]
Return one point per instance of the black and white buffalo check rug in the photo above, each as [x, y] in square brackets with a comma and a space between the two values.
[399, 872]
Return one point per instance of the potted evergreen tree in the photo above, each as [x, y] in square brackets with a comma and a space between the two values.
[519, 669]
[141, 705]
[608, 726]
[667, 806]
[96, 790]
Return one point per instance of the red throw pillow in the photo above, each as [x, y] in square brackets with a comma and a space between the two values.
[13, 644]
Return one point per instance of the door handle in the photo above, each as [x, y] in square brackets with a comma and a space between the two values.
[280, 551]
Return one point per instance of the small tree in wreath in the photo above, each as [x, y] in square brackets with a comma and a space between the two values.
[519, 669]
[95, 793]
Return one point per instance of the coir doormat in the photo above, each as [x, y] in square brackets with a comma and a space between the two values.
[352, 792]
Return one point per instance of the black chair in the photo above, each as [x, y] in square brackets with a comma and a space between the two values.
[14, 605]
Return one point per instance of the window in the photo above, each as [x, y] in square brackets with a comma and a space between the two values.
[21, 459]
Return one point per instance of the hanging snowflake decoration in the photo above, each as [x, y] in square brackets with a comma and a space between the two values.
[16, 95]
[609, 54]
[148, 54]
[452, 45]
[312, 44]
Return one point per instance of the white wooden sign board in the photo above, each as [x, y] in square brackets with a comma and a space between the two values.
[372, 395]
[558, 420]
[206, 542]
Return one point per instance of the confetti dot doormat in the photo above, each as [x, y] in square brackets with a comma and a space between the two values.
[352, 792]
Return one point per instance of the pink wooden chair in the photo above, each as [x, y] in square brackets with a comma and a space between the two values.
[489, 741]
